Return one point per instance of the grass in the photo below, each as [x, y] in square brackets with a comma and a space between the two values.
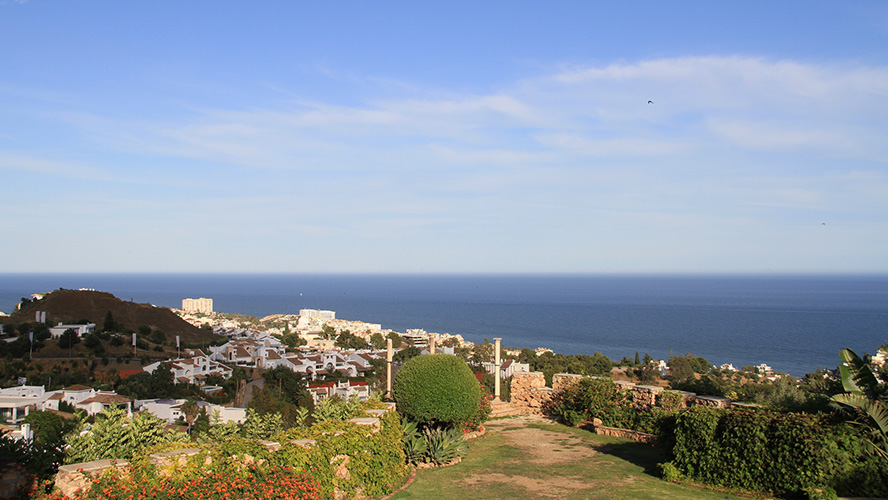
[536, 459]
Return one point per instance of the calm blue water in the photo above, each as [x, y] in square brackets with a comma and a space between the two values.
[794, 323]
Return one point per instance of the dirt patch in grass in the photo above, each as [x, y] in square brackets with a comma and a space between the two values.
[532, 458]
[540, 446]
[551, 487]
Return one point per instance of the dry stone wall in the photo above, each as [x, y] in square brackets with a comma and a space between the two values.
[531, 395]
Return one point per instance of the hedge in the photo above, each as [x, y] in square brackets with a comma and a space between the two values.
[437, 389]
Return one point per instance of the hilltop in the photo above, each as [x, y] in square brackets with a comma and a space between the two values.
[69, 306]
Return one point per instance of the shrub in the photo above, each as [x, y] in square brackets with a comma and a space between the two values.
[116, 436]
[785, 454]
[437, 389]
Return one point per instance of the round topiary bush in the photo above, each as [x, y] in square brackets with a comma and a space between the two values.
[437, 389]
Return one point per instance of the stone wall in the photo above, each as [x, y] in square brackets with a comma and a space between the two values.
[529, 392]
[14, 478]
[531, 395]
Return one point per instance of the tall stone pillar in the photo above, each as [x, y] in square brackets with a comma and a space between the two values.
[431, 343]
[388, 368]
[497, 364]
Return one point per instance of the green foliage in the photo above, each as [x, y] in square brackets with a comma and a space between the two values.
[144, 385]
[591, 398]
[397, 340]
[284, 393]
[336, 408]
[263, 426]
[48, 427]
[40, 459]
[114, 435]
[377, 463]
[710, 384]
[405, 354]
[580, 364]
[348, 340]
[669, 400]
[685, 366]
[414, 443]
[377, 341]
[69, 339]
[437, 389]
[443, 446]
[670, 472]
[862, 399]
[785, 454]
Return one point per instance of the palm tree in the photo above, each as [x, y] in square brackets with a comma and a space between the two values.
[862, 398]
[191, 411]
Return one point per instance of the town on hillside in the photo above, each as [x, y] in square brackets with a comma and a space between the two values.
[92, 367]
[228, 363]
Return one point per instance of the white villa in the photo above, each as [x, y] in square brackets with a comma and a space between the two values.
[192, 370]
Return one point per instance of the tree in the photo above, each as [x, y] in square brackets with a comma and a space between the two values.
[683, 368]
[110, 325]
[865, 398]
[158, 337]
[48, 427]
[68, 339]
[405, 354]
[94, 343]
[377, 341]
[329, 332]
[347, 340]
[190, 409]
[284, 393]
[397, 341]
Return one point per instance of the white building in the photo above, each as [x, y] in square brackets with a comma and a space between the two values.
[193, 370]
[201, 305]
[81, 330]
[105, 400]
[317, 313]
[17, 402]
[345, 390]
[507, 368]
[170, 410]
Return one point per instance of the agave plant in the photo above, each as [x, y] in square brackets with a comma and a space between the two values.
[861, 388]
[443, 445]
[414, 443]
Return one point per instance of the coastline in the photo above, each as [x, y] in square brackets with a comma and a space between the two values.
[795, 323]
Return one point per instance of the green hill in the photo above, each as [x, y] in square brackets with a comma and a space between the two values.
[68, 306]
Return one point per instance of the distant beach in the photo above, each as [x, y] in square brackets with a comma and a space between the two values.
[795, 323]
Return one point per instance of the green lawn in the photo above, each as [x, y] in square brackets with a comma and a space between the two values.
[529, 459]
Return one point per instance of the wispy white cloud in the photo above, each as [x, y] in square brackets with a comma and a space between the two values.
[731, 145]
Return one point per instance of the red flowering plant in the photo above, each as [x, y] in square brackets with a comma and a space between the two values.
[258, 483]
[476, 423]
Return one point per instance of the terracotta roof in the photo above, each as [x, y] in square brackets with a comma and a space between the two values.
[78, 388]
[107, 399]
[272, 355]
[57, 395]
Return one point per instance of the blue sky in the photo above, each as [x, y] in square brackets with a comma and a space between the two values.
[235, 136]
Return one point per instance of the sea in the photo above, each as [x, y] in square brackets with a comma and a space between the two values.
[794, 323]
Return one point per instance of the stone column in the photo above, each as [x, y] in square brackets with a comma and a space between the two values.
[388, 368]
[431, 343]
[496, 374]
